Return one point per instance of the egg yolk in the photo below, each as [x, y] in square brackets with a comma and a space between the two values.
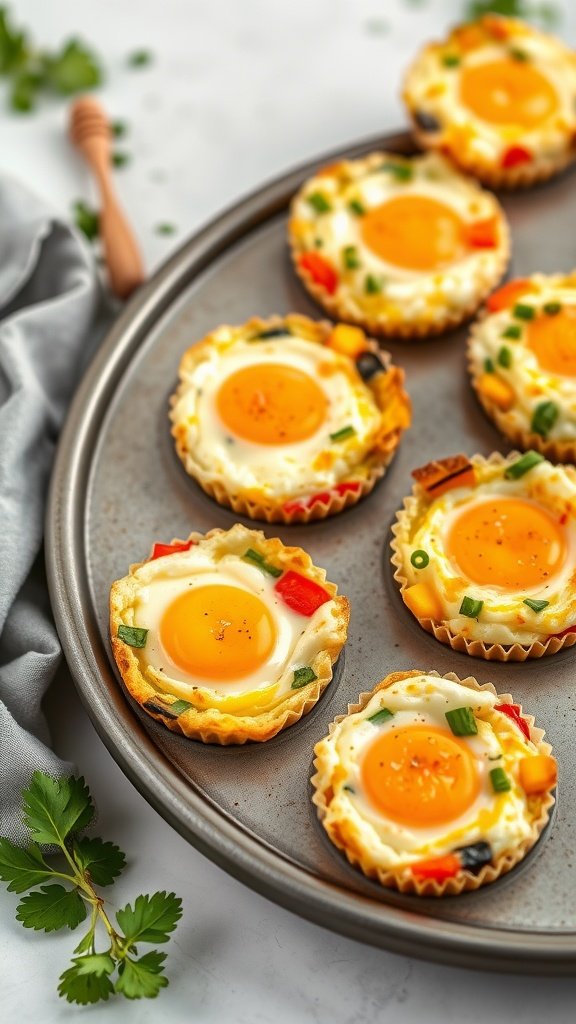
[414, 232]
[271, 403]
[420, 775]
[506, 542]
[552, 339]
[217, 632]
[507, 92]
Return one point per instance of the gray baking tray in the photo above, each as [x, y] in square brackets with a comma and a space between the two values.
[118, 485]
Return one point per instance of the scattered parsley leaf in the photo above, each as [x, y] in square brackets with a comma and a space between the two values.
[53, 808]
[142, 978]
[120, 159]
[95, 963]
[74, 69]
[52, 908]
[165, 229]
[22, 868]
[152, 918]
[140, 58]
[24, 91]
[86, 220]
[548, 14]
[13, 45]
[84, 988]
[103, 861]
[119, 129]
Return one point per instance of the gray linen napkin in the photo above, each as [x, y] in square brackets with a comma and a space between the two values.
[49, 297]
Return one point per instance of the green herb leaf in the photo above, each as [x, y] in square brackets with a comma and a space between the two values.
[24, 90]
[505, 357]
[103, 861]
[471, 607]
[489, 365]
[350, 257]
[22, 868]
[343, 434]
[258, 559]
[544, 417]
[523, 465]
[355, 206]
[94, 963]
[165, 229]
[462, 721]
[140, 58]
[56, 808]
[81, 988]
[513, 331]
[419, 559]
[179, 706]
[51, 908]
[318, 202]
[552, 308]
[303, 676]
[74, 69]
[119, 129]
[380, 716]
[523, 312]
[400, 171]
[87, 220]
[134, 636]
[142, 978]
[13, 45]
[536, 606]
[152, 918]
[500, 781]
[120, 159]
[520, 55]
[373, 284]
[451, 60]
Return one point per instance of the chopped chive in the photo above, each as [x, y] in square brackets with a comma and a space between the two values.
[165, 712]
[450, 60]
[179, 706]
[350, 257]
[505, 357]
[343, 434]
[319, 202]
[544, 418]
[348, 789]
[471, 607]
[303, 676]
[372, 284]
[402, 172]
[355, 206]
[419, 559]
[527, 462]
[272, 332]
[523, 312]
[536, 606]
[462, 721]
[489, 366]
[318, 243]
[513, 331]
[133, 635]
[380, 716]
[500, 781]
[257, 559]
[552, 308]
[518, 54]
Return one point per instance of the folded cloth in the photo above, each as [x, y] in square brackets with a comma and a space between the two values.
[49, 300]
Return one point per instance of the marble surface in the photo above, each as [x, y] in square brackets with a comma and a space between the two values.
[237, 93]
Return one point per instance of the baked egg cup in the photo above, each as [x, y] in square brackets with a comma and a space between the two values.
[226, 637]
[432, 784]
[497, 98]
[484, 553]
[288, 419]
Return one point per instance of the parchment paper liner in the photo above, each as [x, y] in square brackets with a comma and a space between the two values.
[212, 725]
[396, 878]
[556, 450]
[339, 308]
[366, 474]
[476, 648]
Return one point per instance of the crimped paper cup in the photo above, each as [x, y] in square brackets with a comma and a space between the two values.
[403, 880]
[366, 475]
[559, 450]
[476, 648]
[211, 725]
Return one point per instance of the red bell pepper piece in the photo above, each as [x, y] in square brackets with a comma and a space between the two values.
[324, 496]
[513, 712]
[321, 271]
[438, 868]
[348, 485]
[571, 629]
[507, 295]
[483, 234]
[516, 155]
[301, 594]
[159, 550]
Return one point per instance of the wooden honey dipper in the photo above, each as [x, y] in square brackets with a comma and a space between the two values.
[90, 133]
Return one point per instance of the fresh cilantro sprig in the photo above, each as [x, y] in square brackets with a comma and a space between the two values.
[64, 895]
[30, 71]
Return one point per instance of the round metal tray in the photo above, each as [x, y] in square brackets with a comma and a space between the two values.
[117, 486]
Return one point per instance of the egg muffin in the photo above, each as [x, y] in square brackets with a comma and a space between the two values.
[434, 785]
[402, 246]
[287, 419]
[522, 360]
[497, 97]
[484, 552]
[227, 637]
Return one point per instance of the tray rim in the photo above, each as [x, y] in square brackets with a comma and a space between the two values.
[205, 827]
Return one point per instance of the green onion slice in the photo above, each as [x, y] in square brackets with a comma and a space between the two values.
[402, 172]
[380, 716]
[462, 722]
[350, 257]
[544, 418]
[536, 606]
[450, 60]
[523, 312]
[419, 559]
[505, 357]
[471, 607]
[319, 202]
[489, 365]
[527, 462]
[257, 559]
[179, 706]
[500, 781]
[513, 331]
[133, 635]
[303, 676]
[355, 206]
[518, 54]
[373, 285]
[552, 308]
[343, 434]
